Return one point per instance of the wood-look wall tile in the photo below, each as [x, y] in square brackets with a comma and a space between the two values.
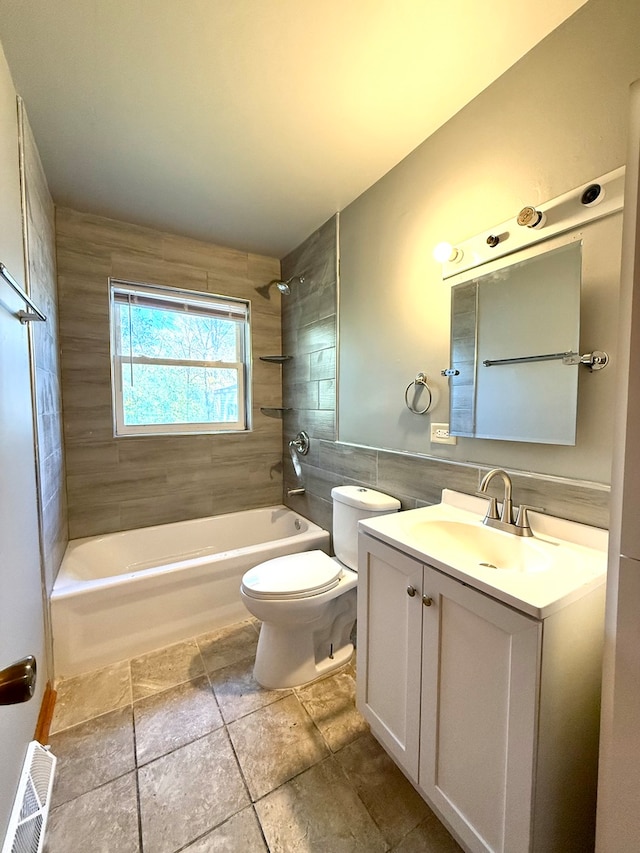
[318, 481]
[91, 367]
[251, 494]
[83, 458]
[265, 335]
[319, 424]
[327, 394]
[298, 370]
[304, 395]
[262, 269]
[47, 390]
[114, 485]
[357, 463]
[323, 364]
[315, 336]
[52, 474]
[165, 508]
[315, 258]
[422, 477]
[87, 423]
[109, 233]
[77, 257]
[205, 256]
[313, 507]
[93, 519]
[50, 432]
[55, 534]
[91, 390]
[149, 271]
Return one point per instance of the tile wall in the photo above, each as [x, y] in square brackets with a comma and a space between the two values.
[39, 223]
[117, 484]
[309, 333]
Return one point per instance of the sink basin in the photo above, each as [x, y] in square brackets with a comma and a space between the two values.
[538, 575]
[471, 543]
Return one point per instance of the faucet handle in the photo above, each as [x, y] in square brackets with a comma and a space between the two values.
[522, 520]
[492, 509]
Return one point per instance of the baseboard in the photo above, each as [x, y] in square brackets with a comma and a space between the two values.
[46, 715]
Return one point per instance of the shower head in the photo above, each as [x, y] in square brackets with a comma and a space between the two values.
[283, 286]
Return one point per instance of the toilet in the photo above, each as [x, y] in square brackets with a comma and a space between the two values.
[307, 601]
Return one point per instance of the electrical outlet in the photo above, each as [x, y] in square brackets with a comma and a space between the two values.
[440, 434]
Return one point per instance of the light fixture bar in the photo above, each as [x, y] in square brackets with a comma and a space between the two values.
[571, 210]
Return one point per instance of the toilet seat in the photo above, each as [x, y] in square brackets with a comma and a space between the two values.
[293, 576]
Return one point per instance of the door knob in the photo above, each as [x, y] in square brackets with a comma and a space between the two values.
[427, 601]
[411, 591]
[18, 681]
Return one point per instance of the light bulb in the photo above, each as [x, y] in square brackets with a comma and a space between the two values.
[446, 253]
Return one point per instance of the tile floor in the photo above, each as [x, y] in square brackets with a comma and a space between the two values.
[181, 750]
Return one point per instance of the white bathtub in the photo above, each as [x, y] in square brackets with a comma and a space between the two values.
[123, 594]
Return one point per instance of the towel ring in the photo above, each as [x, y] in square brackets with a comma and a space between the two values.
[421, 379]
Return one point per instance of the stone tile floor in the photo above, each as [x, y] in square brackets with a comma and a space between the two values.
[181, 750]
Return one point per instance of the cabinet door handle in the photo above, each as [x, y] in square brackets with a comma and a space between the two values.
[427, 601]
[411, 591]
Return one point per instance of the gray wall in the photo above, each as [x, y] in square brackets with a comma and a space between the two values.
[552, 122]
[309, 335]
[117, 484]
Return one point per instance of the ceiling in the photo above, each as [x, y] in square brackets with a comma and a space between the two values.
[248, 122]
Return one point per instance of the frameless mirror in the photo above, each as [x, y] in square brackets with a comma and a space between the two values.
[513, 334]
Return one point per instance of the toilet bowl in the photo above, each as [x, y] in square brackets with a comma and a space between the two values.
[307, 601]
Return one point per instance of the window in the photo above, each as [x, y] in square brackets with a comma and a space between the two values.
[178, 360]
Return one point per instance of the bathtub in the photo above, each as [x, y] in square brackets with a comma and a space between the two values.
[123, 594]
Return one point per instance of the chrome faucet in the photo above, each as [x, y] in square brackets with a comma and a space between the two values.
[504, 521]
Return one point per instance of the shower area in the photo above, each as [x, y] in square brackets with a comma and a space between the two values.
[309, 334]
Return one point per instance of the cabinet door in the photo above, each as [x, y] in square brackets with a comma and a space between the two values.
[479, 711]
[389, 648]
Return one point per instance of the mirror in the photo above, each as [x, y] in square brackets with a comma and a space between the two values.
[510, 329]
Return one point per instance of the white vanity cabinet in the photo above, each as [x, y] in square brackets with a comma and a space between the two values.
[492, 713]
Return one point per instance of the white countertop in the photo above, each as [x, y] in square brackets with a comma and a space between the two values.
[537, 575]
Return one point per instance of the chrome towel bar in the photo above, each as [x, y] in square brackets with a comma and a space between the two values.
[595, 360]
[23, 316]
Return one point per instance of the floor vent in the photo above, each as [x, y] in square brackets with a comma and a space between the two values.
[31, 807]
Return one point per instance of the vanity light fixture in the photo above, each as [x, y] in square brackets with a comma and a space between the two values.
[445, 253]
[600, 197]
[531, 217]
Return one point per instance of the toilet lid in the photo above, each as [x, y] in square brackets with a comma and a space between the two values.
[293, 576]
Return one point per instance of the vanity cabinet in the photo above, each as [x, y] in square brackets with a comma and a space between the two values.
[490, 712]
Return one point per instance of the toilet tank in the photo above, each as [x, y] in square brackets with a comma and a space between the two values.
[351, 504]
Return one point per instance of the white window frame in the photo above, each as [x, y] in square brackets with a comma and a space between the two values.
[193, 301]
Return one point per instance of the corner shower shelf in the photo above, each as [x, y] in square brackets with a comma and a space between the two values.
[276, 359]
[275, 411]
